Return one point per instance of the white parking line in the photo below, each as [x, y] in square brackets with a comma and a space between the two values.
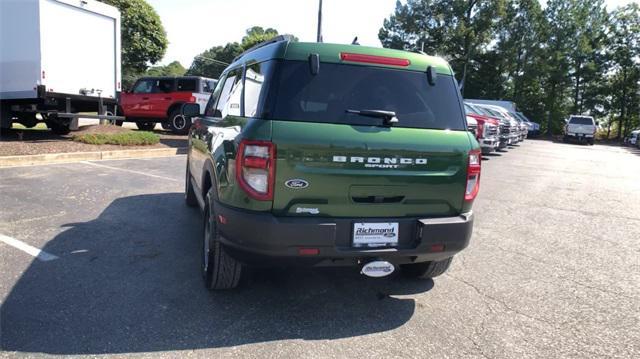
[39, 254]
[131, 171]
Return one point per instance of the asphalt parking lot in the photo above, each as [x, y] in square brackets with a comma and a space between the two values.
[553, 270]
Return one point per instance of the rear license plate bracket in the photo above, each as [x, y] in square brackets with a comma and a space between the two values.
[374, 235]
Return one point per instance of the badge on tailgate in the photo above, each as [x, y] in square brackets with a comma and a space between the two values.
[375, 234]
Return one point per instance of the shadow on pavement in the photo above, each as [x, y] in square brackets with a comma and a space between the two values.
[129, 281]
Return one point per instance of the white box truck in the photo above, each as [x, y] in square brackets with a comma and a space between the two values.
[58, 58]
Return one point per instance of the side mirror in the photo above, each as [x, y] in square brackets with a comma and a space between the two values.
[190, 110]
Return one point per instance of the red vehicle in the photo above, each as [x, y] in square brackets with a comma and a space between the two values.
[159, 100]
[488, 129]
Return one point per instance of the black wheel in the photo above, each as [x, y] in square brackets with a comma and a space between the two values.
[179, 124]
[118, 123]
[58, 128]
[189, 194]
[426, 269]
[219, 269]
[146, 126]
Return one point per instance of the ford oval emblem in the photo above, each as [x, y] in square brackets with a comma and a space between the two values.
[377, 269]
[296, 183]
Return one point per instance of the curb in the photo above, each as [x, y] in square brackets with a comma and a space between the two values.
[49, 158]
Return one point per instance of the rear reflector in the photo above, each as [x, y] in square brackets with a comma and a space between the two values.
[308, 251]
[371, 59]
[437, 247]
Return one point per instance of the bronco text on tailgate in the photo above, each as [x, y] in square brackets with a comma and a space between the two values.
[332, 155]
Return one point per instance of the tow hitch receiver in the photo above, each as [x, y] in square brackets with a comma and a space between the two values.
[377, 269]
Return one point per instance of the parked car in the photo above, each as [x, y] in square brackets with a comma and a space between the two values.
[524, 128]
[633, 138]
[507, 105]
[580, 128]
[472, 126]
[58, 59]
[488, 129]
[160, 99]
[509, 128]
[533, 128]
[332, 155]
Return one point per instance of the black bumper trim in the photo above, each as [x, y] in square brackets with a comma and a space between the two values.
[258, 237]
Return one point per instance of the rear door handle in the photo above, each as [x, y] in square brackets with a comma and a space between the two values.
[167, 98]
[145, 98]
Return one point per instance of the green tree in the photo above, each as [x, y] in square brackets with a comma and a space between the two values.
[624, 52]
[457, 28]
[173, 69]
[144, 39]
[256, 35]
[212, 62]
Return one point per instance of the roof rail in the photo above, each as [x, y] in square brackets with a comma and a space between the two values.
[264, 43]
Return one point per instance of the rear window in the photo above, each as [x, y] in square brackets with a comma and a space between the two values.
[581, 121]
[297, 95]
[187, 85]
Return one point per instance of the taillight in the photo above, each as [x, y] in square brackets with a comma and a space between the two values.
[255, 168]
[192, 99]
[473, 175]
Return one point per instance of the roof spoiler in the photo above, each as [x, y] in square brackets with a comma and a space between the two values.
[265, 43]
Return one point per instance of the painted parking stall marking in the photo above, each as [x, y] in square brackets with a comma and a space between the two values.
[33, 251]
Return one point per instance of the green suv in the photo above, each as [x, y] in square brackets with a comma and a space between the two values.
[332, 155]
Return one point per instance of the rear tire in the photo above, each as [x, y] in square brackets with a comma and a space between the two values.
[146, 126]
[426, 270]
[179, 124]
[219, 269]
[58, 128]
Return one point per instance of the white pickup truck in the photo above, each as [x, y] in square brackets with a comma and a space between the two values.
[581, 129]
[58, 58]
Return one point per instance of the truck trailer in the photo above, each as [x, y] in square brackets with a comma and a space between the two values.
[58, 58]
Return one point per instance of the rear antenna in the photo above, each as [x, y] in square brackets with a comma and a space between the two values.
[319, 37]
[355, 41]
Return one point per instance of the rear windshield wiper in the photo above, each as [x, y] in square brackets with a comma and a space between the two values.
[389, 117]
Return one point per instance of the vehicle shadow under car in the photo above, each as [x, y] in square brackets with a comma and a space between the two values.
[129, 281]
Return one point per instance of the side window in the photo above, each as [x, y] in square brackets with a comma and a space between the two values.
[229, 103]
[144, 86]
[254, 87]
[163, 86]
[187, 85]
[209, 85]
[209, 110]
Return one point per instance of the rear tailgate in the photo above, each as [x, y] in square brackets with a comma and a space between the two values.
[80, 48]
[367, 171]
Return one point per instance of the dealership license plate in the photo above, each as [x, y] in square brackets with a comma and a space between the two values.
[375, 234]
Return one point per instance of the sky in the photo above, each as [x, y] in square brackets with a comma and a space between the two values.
[194, 26]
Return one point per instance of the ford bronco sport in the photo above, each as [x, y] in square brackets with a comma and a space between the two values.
[332, 155]
[159, 99]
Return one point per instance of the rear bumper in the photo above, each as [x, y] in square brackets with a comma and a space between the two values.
[579, 135]
[263, 239]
